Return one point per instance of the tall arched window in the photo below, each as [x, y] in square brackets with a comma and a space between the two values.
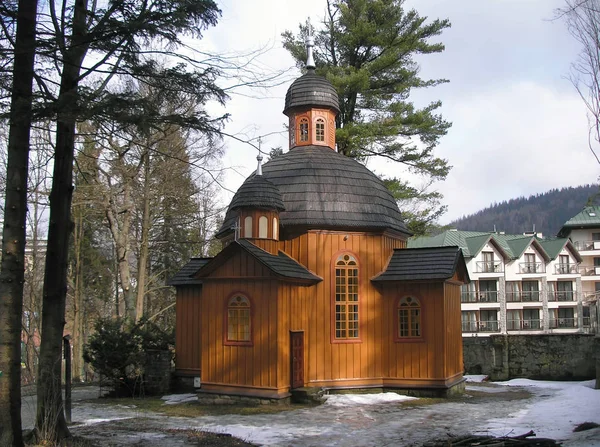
[238, 319]
[303, 129]
[275, 228]
[320, 130]
[248, 226]
[346, 297]
[409, 317]
[263, 224]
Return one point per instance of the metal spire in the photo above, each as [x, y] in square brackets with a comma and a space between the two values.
[310, 43]
[259, 158]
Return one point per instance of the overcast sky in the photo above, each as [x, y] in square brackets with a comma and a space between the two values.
[518, 125]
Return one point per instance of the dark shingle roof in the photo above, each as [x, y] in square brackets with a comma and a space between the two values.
[257, 192]
[321, 188]
[311, 90]
[281, 264]
[413, 264]
[184, 276]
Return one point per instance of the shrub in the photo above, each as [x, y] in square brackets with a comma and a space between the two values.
[117, 352]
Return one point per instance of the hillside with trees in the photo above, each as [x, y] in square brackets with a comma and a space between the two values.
[548, 211]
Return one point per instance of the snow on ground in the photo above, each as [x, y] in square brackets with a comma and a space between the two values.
[346, 400]
[173, 399]
[558, 409]
[550, 409]
[476, 378]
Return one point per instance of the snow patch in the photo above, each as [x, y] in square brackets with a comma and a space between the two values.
[174, 399]
[348, 400]
[476, 378]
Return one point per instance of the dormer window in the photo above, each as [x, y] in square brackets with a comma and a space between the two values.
[320, 129]
[303, 130]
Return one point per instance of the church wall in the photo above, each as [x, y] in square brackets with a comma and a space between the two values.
[224, 365]
[187, 330]
[422, 358]
[311, 308]
[453, 341]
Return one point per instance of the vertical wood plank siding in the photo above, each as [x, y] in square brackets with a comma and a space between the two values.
[187, 330]
[278, 307]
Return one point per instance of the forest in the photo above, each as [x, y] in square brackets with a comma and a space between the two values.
[545, 212]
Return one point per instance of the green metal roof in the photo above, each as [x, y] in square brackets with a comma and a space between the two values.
[555, 245]
[588, 217]
[471, 242]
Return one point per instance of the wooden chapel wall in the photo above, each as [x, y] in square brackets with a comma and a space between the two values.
[423, 358]
[228, 364]
[454, 341]
[187, 330]
[310, 309]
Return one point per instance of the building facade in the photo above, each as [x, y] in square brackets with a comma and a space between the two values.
[583, 230]
[520, 284]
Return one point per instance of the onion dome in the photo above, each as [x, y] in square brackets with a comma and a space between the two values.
[322, 189]
[311, 90]
[257, 192]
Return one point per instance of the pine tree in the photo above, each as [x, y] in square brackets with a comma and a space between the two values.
[367, 49]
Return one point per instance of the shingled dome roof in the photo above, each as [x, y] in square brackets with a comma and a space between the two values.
[257, 192]
[311, 90]
[321, 188]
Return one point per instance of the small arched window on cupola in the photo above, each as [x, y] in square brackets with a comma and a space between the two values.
[263, 224]
[303, 129]
[320, 129]
[248, 227]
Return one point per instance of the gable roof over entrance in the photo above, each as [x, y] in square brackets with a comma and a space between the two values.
[281, 264]
[416, 264]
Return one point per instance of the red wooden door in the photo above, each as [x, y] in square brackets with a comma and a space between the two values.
[297, 346]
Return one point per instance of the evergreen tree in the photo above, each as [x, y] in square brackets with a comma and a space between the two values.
[367, 49]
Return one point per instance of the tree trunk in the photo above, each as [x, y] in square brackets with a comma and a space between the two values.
[78, 300]
[13, 236]
[120, 235]
[143, 261]
[50, 420]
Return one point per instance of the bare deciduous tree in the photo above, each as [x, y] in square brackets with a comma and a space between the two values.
[583, 20]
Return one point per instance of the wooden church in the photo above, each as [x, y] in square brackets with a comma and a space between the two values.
[315, 286]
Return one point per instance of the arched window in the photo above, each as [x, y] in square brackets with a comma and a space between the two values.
[409, 317]
[238, 319]
[263, 224]
[248, 226]
[346, 297]
[303, 129]
[320, 130]
[275, 228]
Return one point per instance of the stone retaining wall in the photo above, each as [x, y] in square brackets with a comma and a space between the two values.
[539, 356]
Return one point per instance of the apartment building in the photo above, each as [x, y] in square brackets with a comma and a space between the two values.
[520, 284]
[583, 230]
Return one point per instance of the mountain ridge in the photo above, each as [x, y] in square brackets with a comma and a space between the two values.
[544, 213]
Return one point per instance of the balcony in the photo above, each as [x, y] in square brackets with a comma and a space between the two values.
[567, 295]
[563, 323]
[523, 297]
[586, 270]
[481, 326]
[587, 245]
[523, 325]
[489, 267]
[532, 267]
[565, 269]
[479, 297]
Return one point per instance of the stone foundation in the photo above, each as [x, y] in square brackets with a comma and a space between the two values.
[535, 356]
[226, 399]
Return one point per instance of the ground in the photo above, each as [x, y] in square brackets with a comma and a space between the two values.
[550, 409]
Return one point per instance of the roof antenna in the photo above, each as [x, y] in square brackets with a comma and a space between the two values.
[310, 43]
[259, 158]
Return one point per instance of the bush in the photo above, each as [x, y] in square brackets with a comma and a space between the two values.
[117, 352]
